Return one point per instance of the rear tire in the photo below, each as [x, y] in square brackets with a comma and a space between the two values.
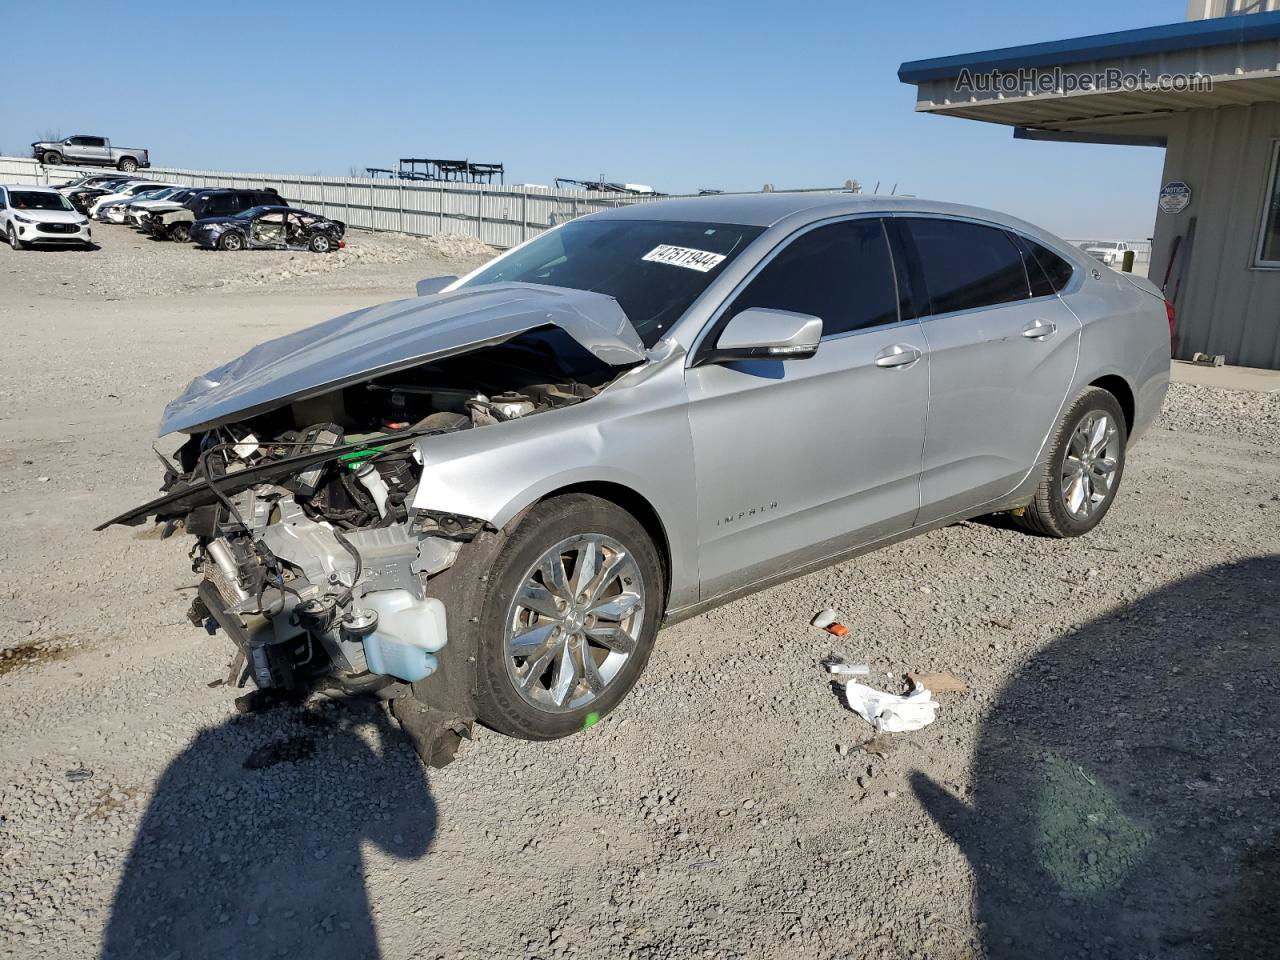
[600, 657]
[1082, 471]
[127, 165]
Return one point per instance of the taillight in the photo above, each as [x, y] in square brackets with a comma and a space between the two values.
[1168, 309]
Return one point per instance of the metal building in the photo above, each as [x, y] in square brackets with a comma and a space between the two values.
[1208, 91]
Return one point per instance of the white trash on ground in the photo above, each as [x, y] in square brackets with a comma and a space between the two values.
[842, 669]
[889, 712]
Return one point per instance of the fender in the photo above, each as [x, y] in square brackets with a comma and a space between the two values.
[494, 472]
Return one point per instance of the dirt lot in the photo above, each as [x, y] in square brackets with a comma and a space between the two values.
[1105, 788]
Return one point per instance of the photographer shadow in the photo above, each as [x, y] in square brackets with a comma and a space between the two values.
[1125, 788]
[251, 845]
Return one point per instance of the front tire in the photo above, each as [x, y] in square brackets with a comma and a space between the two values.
[231, 240]
[320, 243]
[14, 242]
[567, 620]
[127, 165]
[1082, 472]
[51, 158]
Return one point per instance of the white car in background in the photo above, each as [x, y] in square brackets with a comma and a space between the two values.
[137, 209]
[1110, 252]
[31, 215]
[127, 192]
[115, 211]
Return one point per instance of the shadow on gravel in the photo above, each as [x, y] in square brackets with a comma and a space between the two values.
[1127, 783]
[251, 846]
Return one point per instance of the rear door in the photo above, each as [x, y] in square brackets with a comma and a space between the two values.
[797, 460]
[1002, 352]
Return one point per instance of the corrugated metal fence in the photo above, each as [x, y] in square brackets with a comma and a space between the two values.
[502, 216]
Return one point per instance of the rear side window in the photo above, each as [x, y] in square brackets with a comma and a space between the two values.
[842, 273]
[967, 265]
[222, 205]
[1056, 270]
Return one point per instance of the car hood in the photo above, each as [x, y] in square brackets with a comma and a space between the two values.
[217, 222]
[392, 336]
[51, 216]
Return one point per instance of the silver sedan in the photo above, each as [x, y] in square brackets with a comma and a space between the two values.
[485, 501]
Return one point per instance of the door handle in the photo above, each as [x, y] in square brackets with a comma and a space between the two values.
[898, 355]
[1039, 330]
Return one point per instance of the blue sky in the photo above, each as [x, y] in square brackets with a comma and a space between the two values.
[679, 95]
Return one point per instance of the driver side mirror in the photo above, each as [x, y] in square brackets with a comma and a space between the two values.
[758, 332]
[433, 285]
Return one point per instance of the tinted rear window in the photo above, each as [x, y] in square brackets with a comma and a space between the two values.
[967, 265]
[1055, 269]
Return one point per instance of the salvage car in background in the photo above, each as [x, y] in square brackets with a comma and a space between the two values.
[115, 211]
[82, 149]
[126, 192]
[270, 228]
[138, 208]
[484, 502]
[176, 224]
[41, 215]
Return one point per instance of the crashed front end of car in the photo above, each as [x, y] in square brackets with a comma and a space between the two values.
[299, 478]
[207, 233]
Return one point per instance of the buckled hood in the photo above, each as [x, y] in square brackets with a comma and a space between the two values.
[393, 336]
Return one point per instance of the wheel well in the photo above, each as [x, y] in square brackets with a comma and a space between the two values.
[638, 507]
[1118, 388]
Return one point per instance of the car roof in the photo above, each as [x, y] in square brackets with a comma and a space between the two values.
[26, 187]
[768, 209]
[238, 190]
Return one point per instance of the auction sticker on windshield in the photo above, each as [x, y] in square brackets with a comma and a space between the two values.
[687, 257]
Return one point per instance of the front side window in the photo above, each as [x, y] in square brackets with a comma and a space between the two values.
[654, 268]
[1269, 242]
[967, 265]
[841, 273]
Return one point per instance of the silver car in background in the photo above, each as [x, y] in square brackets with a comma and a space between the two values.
[483, 502]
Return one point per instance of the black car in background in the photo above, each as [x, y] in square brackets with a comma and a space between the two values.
[270, 228]
[176, 224]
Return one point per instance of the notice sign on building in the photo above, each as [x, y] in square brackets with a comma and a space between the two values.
[1174, 197]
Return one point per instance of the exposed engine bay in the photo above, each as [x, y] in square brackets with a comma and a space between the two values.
[312, 556]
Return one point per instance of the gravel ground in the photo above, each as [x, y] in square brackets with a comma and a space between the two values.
[127, 264]
[1104, 788]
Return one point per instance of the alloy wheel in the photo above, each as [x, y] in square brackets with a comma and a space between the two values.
[574, 622]
[1089, 466]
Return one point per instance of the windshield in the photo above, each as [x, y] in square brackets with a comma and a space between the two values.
[654, 268]
[33, 200]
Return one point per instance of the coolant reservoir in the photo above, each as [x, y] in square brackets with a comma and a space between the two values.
[408, 634]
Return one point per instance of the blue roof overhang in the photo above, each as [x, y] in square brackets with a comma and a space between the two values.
[1193, 34]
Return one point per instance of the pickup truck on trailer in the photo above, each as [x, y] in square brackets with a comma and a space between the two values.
[96, 150]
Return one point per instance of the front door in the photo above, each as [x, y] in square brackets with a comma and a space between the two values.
[797, 460]
[1001, 361]
[268, 230]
